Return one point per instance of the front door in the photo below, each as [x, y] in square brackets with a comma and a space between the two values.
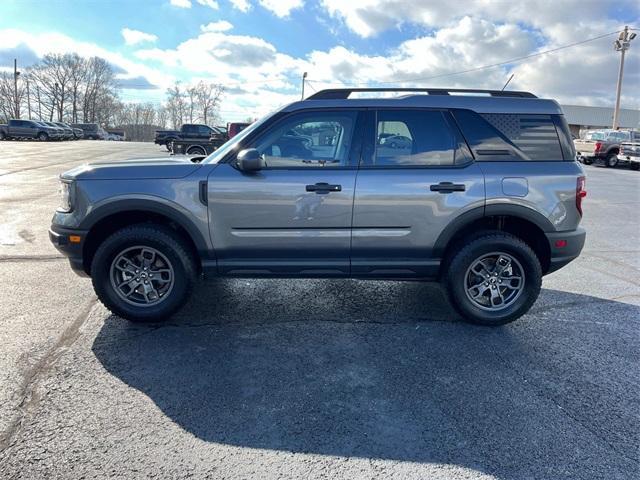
[416, 177]
[293, 217]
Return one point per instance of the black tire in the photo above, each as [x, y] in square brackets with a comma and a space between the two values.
[458, 265]
[43, 137]
[611, 160]
[635, 166]
[587, 161]
[196, 150]
[2, 135]
[163, 240]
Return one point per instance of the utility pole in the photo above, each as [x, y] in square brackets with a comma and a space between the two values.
[15, 88]
[304, 75]
[621, 45]
[28, 98]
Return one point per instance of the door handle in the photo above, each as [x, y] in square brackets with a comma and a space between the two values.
[447, 187]
[323, 188]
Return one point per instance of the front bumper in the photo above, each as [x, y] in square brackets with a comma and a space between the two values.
[66, 242]
[565, 247]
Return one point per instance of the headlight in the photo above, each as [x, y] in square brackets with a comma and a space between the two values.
[66, 193]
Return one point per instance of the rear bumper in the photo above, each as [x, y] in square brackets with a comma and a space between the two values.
[628, 158]
[60, 238]
[565, 247]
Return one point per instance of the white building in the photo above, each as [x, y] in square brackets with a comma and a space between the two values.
[591, 118]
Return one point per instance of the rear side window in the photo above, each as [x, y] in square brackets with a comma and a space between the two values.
[509, 137]
[417, 138]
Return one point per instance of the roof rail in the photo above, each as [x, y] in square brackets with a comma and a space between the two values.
[343, 93]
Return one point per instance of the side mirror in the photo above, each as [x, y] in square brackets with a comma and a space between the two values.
[250, 160]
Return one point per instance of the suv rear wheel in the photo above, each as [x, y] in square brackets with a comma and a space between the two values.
[494, 279]
[143, 272]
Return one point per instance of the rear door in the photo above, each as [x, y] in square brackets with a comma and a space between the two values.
[417, 175]
[293, 217]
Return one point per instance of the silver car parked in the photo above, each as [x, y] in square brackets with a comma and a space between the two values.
[483, 195]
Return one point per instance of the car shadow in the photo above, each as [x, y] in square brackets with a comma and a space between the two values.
[385, 370]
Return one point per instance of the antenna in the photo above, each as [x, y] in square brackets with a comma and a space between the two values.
[505, 85]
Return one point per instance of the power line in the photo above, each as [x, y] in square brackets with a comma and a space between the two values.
[493, 65]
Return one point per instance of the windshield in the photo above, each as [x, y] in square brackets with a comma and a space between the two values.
[595, 136]
[231, 144]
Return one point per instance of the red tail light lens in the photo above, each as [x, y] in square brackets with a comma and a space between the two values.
[598, 147]
[581, 192]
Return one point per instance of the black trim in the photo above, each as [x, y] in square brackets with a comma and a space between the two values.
[467, 218]
[344, 93]
[203, 192]
[144, 205]
[454, 227]
[562, 256]
[59, 237]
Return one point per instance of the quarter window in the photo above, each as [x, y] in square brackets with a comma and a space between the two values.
[416, 138]
[319, 139]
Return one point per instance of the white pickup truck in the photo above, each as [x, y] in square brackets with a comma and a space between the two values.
[630, 153]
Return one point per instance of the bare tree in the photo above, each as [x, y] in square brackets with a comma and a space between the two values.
[176, 105]
[208, 97]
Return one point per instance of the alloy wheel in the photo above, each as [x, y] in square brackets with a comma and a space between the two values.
[494, 281]
[142, 276]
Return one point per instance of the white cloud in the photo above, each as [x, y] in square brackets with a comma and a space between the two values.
[43, 43]
[220, 26]
[281, 8]
[181, 3]
[370, 17]
[242, 5]
[133, 37]
[209, 3]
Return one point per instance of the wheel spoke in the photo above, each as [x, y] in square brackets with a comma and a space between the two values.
[514, 282]
[502, 264]
[497, 299]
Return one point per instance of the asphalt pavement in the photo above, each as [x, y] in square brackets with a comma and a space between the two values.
[313, 378]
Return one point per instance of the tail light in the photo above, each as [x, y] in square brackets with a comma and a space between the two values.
[598, 147]
[581, 192]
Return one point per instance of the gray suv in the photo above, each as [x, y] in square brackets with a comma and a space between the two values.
[483, 194]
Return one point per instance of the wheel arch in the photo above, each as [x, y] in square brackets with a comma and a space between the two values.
[111, 217]
[522, 222]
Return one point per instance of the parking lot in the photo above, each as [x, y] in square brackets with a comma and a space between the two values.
[315, 378]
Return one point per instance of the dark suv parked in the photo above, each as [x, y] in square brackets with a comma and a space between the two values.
[484, 195]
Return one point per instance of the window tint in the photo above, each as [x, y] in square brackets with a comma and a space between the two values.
[416, 138]
[204, 130]
[510, 137]
[315, 139]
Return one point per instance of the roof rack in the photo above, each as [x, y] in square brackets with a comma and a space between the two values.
[343, 93]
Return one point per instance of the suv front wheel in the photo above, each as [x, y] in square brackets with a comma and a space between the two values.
[494, 279]
[143, 272]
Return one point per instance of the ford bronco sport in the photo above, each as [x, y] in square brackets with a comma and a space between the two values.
[483, 194]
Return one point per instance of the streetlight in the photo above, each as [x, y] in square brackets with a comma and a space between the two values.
[304, 75]
[621, 45]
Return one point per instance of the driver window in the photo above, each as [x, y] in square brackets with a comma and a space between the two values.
[317, 139]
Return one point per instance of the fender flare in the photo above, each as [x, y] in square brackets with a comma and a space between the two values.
[151, 206]
[471, 216]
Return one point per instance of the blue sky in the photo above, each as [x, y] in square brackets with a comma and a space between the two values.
[259, 48]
